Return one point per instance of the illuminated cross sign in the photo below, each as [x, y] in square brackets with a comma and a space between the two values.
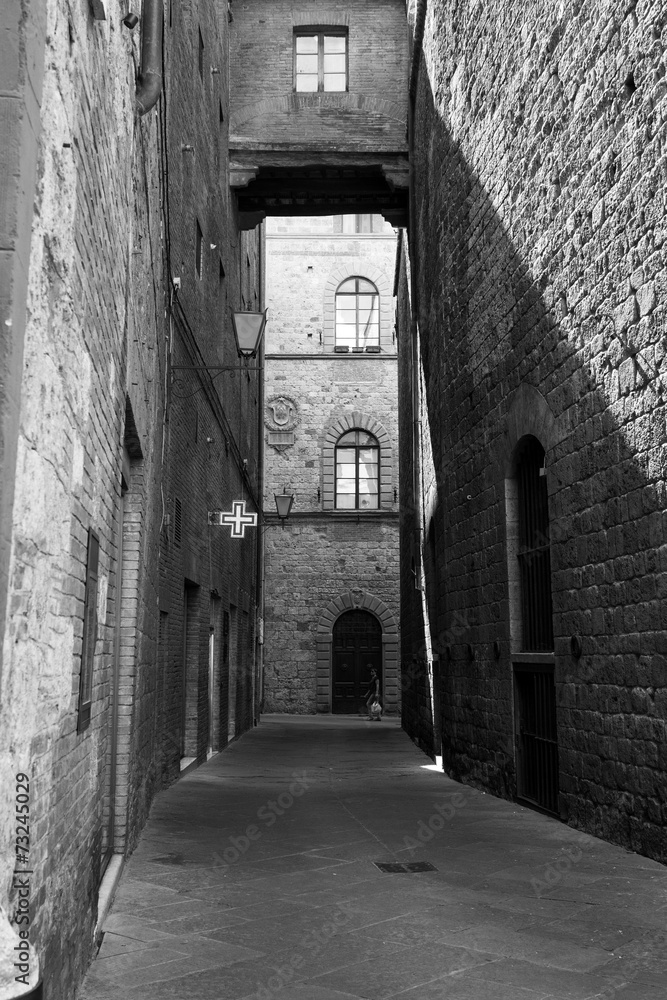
[237, 518]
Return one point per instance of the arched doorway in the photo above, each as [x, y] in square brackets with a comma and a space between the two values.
[357, 646]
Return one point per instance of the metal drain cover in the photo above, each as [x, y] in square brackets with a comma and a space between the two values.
[394, 867]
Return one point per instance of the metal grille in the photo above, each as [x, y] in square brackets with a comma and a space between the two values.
[534, 558]
[537, 758]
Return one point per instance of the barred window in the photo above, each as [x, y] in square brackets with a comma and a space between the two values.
[533, 552]
[357, 471]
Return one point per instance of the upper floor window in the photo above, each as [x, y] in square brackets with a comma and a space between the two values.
[320, 61]
[357, 471]
[358, 224]
[357, 314]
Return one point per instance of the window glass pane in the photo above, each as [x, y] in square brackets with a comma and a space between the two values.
[306, 43]
[334, 43]
[366, 303]
[345, 454]
[346, 501]
[306, 83]
[348, 287]
[368, 501]
[364, 285]
[365, 438]
[345, 473]
[368, 456]
[334, 82]
[334, 64]
[348, 227]
[306, 64]
[349, 438]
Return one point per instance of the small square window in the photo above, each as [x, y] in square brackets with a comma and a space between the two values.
[320, 61]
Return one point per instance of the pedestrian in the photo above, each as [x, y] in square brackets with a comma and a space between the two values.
[373, 697]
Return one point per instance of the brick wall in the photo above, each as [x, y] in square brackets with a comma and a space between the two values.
[321, 554]
[372, 114]
[541, 280]
[107, 442]
[213, 436]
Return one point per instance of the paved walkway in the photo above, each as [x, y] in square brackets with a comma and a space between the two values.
[255, 878]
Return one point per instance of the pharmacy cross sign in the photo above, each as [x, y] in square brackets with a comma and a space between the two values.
[237, 518]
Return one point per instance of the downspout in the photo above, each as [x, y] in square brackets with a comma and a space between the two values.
[149, 83]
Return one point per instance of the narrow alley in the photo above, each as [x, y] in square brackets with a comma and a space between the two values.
[256, 876]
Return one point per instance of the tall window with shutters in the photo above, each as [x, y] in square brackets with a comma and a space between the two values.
[357, 314]
[357, 461]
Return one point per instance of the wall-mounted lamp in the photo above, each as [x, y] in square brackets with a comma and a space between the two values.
[284, 503]
[248, 330]
[130, 20]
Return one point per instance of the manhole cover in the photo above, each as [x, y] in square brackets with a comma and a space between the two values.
[406, 867]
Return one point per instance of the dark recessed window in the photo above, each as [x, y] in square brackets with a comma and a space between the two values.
[320, 61]
[533, 555]
[199, 251]
[178, 521]
[89, 637]
[357, 314]
[201, 55]
[357, 471]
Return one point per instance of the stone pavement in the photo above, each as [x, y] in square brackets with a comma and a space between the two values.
[255, 878]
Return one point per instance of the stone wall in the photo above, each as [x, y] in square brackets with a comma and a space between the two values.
[91, 286]
[101, 219]
[541, 284]
[323, 555]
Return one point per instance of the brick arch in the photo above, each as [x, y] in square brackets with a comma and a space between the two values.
[353, 600]
[379, 279]
[347, 422]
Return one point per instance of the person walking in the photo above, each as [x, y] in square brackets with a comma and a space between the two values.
[373, 697]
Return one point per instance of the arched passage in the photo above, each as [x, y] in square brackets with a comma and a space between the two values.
[387, 659]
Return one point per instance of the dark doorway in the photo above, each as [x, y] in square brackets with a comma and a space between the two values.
[357, 646]
[537, 747]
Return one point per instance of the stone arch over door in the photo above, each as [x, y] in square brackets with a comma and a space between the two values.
[352, 601]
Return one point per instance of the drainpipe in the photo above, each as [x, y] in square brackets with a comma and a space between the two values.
[150, 74]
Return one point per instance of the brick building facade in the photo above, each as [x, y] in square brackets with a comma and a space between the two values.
[129, 625]
[537, 278]
[331, 574]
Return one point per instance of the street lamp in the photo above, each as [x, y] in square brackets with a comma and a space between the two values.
[248, 330]
[284, 503]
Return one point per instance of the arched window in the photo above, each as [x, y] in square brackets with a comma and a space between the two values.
[357, 471]
[357, 314]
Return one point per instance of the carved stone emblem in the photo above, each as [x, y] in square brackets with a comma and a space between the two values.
[282, 413]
